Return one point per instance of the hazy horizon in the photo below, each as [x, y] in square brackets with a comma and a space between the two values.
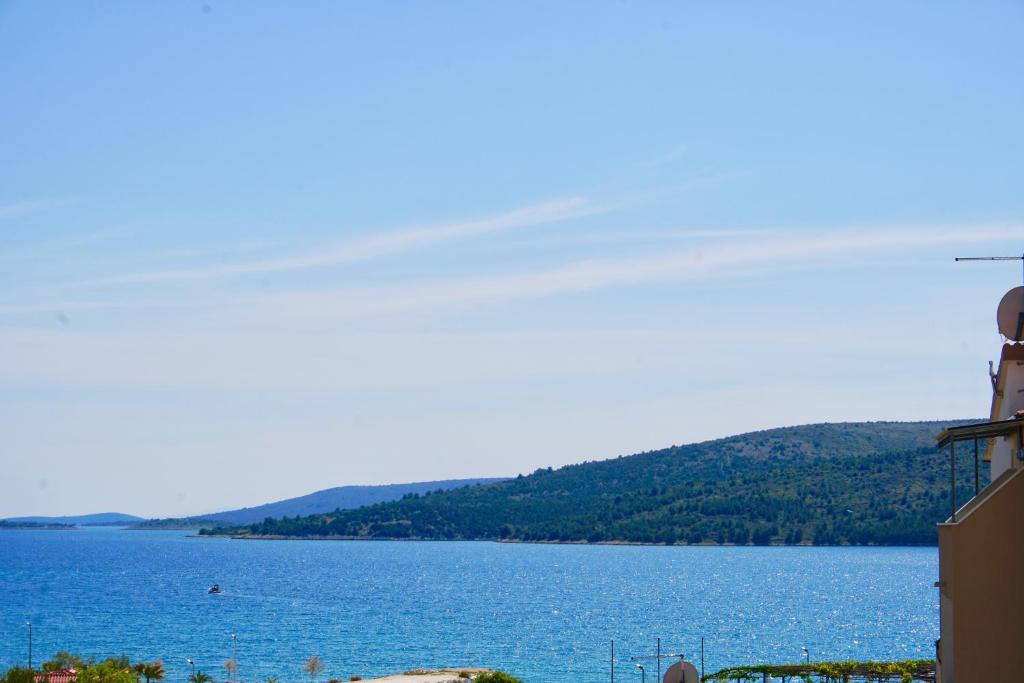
[248, 252]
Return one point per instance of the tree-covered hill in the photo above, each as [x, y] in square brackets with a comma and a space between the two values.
[860, 483]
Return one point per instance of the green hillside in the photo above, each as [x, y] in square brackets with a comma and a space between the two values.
[860, 483]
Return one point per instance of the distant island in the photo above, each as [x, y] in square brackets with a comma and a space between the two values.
[867, 483]
[97, 519]
[11, 524]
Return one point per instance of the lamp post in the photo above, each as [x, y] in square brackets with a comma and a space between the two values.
[234, 655]
[807, 655]
[193, 669]
[643, 673]
[29, 624]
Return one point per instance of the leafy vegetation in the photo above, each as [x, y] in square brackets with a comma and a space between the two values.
[905, 671]
[151, 671]
[18, 674]
[110, 670]
[496, 677]
[879, 483]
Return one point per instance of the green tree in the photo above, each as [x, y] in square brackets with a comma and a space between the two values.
[19, 674]
[65, 660]
[200, 677]
[108, 671]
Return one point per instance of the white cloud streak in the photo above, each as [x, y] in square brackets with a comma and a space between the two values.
[370, 247]
[24, 208]
[743, 258]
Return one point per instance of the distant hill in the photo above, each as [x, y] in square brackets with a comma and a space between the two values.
[327, 500]
[858, 483]
[98, 519]
[5, 524]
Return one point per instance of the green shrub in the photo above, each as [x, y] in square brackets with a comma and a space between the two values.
[19, 674]
[496, 677]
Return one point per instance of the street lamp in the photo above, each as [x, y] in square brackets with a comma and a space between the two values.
[193, 669]
[643, 673]
[807, 655]
[234, 655]
[29, 624]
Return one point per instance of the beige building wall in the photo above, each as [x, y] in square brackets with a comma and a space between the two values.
[981, 582]
[1007, 399]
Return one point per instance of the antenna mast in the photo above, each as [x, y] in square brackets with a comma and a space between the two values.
[992, 258]
[1012, 304]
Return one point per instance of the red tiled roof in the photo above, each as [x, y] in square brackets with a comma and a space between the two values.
[58, 676]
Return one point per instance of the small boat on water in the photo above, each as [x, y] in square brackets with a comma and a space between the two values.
[215, 588]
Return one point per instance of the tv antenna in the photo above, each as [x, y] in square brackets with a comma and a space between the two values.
[1010, 314]
[992, 258]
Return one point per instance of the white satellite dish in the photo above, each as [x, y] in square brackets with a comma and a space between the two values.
[1010, 314]
[681, 672]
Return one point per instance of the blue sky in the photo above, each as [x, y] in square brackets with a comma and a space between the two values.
[249, 250]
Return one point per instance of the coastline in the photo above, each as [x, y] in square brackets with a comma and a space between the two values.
[278, 537]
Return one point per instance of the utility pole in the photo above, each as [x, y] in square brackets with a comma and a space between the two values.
[612, 661]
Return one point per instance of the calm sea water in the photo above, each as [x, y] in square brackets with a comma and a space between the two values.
[542, 612]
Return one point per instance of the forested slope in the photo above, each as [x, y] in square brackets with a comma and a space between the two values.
[860, 483]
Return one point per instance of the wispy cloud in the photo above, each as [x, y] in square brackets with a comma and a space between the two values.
[24, 208]
[372, 246]
[740, 258]
[747, 254]
[642, 236]
[50, 248]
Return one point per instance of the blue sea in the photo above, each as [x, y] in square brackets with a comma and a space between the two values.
[542, 612]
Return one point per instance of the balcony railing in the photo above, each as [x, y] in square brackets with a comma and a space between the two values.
[975, 433]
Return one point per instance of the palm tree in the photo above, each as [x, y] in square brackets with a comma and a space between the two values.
[153, 671]
[314, 667]
[200, 677]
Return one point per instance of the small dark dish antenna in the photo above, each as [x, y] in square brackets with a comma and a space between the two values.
[1010, 314]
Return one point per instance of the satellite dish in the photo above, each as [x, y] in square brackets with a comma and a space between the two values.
[1010, 314]
[681, 672]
